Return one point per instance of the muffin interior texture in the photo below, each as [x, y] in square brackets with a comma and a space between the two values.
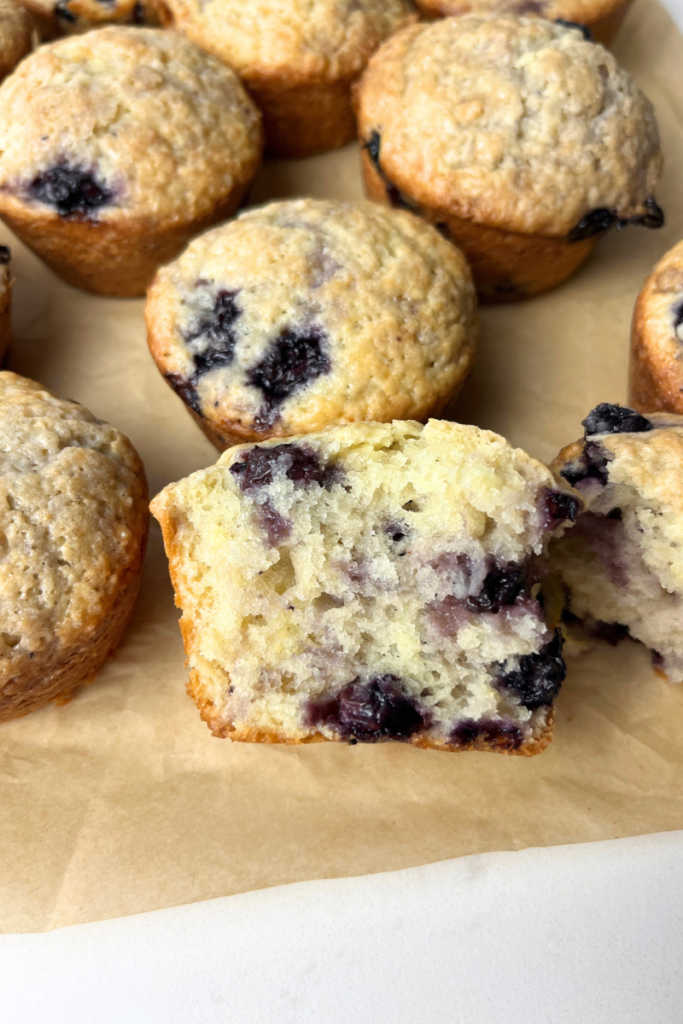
[371, 582]
[622, 564]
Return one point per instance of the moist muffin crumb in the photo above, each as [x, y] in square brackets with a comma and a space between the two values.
[372, 582]
[117, 146]
[298, 59]
[532, 142]
[73, 511]
[656, 366]
[621, 565]
[307, 312]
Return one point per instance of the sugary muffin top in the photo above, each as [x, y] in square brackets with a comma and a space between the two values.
[124, 120]
[579, 11]
[307, 312]
[327, 39]
[516, 123]
[73, 516]
[633, 462]
[15, 34]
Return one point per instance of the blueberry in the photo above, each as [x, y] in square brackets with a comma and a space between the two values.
[275, 526]
[597, 221]
[678, 316]
[215, 331]
[504, 735]
[259, 466]
[367, 712]
[394, 195]
[502, 586]
[71, 190]
[5, 254]
[594, 223]
[293, 360]
[538, 677]
[62, 11]
[186, 390]
[614, 419]
[557, 508]
[591, 465]
[583, 29]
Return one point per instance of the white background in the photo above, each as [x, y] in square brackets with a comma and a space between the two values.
[590, 934]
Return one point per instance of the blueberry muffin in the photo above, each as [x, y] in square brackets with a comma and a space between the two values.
[305, 313]
[600, 18]
[5, 304]
[371, 582]
[15, 35]
[65, 17]
[622, 563]
[116, 147]
[519, 138]
[298, 59]
[656, 367]
[73, 523]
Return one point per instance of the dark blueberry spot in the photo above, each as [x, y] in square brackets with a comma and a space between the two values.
[506, 288]
[657, 659]
[614, 419]
[504, 735]
[538, 677]
[367, 712]
[611, 632]
[583, 29]
[653, 216]
[615, 513]
[259, 466]
[5, 254]
[594, 223]
[394, 195]
[138, 17]
[502, 586]
[591, 465]
[186, 389]
[71, 190]
[557, 508]
[677, 315]
[62, 11]
[293, 360]
[275, 526]
[215, 335]
[597, 221]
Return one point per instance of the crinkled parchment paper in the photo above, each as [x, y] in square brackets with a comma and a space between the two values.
[121, 801]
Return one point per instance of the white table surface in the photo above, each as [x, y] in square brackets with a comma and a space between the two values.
[590, 933]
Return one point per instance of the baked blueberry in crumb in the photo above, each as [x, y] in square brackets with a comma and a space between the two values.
[71, 190]
[394, 195]
[614, 419]
[215, 331]
[538, 677]
[502, 586]
[367, 712]
[258, 467]
[5, 255]
[62, 11]
[186, 390]
[591, 465]
[505, 735]
[677, 311]
[295, 358]
[275, 526]
[583, 29]
[558, 508]
[597, 221]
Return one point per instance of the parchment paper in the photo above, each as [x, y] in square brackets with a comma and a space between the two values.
[121, 801]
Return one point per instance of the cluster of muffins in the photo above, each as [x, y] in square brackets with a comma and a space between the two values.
[352, 568]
